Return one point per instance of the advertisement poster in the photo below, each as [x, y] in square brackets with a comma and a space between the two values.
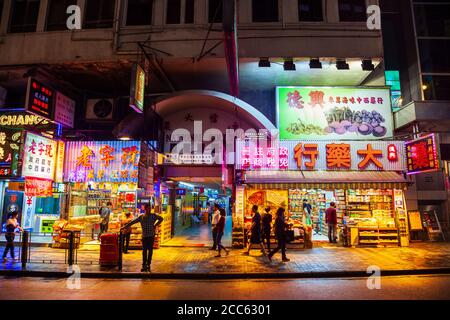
[415, 221]
[340, 113]
[64, 110]
[40, 99]
[13, 201]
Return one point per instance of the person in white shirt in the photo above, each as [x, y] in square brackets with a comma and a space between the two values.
[214, 222]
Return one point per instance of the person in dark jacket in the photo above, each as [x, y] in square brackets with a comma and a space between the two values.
[11, 226]
[331, 221]
[126, 231]
[149, 222]
[220, 231]
[280, 233]
[266, 227]
[255, 237]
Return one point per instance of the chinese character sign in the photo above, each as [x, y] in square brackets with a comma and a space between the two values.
[137, 88]
[323, 155]
[40, 155]
[102, 161]
[35, 187]
[40, 99]
[9, 146]
[422, 155]
[334, 113]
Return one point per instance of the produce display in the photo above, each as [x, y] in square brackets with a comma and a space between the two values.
[343, 120]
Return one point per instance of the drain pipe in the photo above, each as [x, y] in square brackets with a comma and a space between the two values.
[117, 21]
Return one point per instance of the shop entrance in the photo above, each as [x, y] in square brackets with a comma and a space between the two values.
[192, 212]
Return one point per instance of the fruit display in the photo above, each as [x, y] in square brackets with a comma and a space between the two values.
[343, 120]
[256, 198]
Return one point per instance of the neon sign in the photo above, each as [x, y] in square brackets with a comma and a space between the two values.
[422, 155]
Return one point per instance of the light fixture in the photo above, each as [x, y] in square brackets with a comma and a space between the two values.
[424, 87]
[264, 63]
[367, 65]
[125, 138]
[315, 64]
[289, 65]
[342, 65]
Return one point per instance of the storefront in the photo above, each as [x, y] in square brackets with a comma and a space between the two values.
[98, 172]
[364, 178]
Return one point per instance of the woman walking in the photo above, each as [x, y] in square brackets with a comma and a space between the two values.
[280, 234]
[220, 231]
[11, 226]
[255, 237]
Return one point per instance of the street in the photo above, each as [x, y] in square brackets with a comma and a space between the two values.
[395, 288]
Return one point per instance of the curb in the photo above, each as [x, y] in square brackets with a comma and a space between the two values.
[224, 276]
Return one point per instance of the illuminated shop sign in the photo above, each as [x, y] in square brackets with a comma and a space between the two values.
[422, 155]
[137, 88]
[35, 187]
[334, 113]
[40, 99]
[64, 110]
[21, 119]
[10, 142]
[322, 155]
[102, 161]
[39, 157]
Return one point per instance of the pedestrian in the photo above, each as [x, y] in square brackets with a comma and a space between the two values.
[331, 221]
[214, 222]
[11, 226]
[149, 222]
[255, 237]
[307, 210]
[220, 231]
[266, 227]
[105, 212]
[209, 212]
[280, 227]
[126, 231]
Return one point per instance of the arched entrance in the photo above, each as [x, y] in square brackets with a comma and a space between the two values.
[193, 186]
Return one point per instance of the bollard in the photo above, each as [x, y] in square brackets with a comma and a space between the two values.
[25, 244]
[71, 247]
[119, 261]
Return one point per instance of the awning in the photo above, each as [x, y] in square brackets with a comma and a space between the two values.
[325, 180]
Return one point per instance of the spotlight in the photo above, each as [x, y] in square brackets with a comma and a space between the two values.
[125, 138]
[425, 87]
[342, 65]
[367, 65]
[289, 65]
[315, 64]
[264, 63]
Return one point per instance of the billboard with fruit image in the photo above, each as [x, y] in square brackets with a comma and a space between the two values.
[334, 113]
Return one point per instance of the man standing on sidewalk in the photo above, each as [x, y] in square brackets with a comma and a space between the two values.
[331, 220]
[105, 212]
[149, 226]
[214, 222]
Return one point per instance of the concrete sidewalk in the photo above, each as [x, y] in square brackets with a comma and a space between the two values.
[189, 263]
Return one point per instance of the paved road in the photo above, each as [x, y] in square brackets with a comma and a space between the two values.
[409, 287]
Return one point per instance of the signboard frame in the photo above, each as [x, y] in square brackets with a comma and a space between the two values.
[324, 93]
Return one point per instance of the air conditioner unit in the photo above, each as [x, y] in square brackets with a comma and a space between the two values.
[100, 109]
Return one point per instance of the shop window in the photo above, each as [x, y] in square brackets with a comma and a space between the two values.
[173, 11]
[139, 12]
[57, 16]
[99, 14]
[432, 20]
[437, 87]
[434, 55]
[310, 10]
[265, 10]
[189, 11]
[352, 10]
[215, 11]
[24, 16]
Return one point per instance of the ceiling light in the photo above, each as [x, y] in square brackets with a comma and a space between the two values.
[424, 87]
[367, 65]
[342, 65]
[289, 65]
[315, 64]
[125, 138]
[264, 63]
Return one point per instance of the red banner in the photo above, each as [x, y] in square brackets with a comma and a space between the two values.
[35, 187]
